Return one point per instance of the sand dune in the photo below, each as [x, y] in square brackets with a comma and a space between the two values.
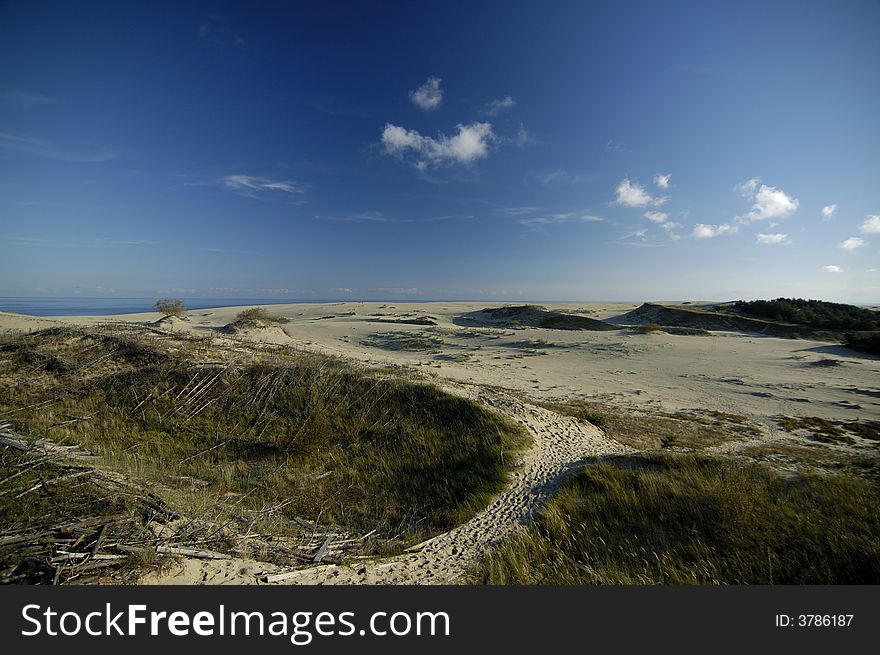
[512, 366]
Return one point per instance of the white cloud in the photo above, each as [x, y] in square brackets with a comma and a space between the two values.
[828, 211]
[249, 183]
[852, 243]
[633, 194]
[497, 106]
[771, 239]
[429, 95]
[662, 181]
[831, 268]
[871, 224]
[747, 188]
[468, 145]
[770, 202]
[656, 217]
[703, 231]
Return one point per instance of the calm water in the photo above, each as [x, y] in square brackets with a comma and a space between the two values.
[101, 306]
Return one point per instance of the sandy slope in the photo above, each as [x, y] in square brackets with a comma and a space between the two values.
[758, 377]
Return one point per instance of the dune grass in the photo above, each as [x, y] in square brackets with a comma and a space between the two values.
[688, 519]
[257, 316]
[312, 435]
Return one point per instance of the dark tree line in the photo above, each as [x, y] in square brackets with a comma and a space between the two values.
[816, 314]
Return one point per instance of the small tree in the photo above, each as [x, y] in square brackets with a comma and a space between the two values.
[170, 307]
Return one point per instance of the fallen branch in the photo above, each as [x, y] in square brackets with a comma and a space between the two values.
[190, 552]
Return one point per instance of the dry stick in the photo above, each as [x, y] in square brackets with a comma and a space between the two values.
[29, 468]
[207, 450]
[51, 401]
[78, 474]
[194, 378]
[75, 419]
[95, 361]
[200, 409]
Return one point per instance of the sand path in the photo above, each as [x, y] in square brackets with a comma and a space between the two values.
[561, 442]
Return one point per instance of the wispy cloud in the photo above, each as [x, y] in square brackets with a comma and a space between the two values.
[523, 137]
[771, 239]
[852, 243]
[499, 105]
[361, 217]
[828, 211]
[563, 177]
[871, 225]
[23, 99]
[87, 242]
[831, 268]
[49, 150]
[253, 186]
[519, 211]
[429, 95]
[640, 239]
[703, 231]
[633, 194]
[216, 33]
[469, 144]
[769, 201]
[671, 227]
[662, 180]
[559, 218]
[656, 217]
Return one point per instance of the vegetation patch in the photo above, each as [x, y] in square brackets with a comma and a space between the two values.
[829, 430]
[257, 317]
[868, 342]
[689, 519]
[693, 430]
[406, 341]
[170, 307]
[654, 328]
[816, 314]
[287, 436]
[520, 316]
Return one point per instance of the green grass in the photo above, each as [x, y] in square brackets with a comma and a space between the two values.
[336, 445]
[687, 519]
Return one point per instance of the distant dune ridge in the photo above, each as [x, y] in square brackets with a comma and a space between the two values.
[531, 316]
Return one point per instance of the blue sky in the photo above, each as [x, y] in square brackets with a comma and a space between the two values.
[541, 151]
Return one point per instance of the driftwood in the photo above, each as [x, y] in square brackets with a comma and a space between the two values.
[9, 442]
[322, 551]
[190, 552]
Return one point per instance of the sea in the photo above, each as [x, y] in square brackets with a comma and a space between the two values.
[82, 306]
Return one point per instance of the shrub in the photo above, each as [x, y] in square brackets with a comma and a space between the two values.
[170, 307]
[258, 315]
